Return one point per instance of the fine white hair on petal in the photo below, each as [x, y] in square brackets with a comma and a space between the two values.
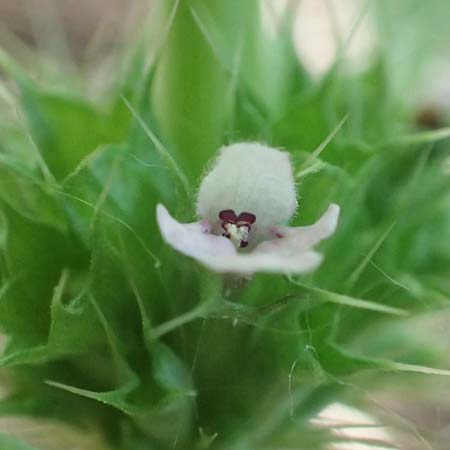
[292, 254]
[250, 177]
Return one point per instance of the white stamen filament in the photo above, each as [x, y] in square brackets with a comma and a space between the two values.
[237, 234]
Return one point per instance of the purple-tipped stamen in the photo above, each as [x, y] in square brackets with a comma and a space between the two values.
[231, 223]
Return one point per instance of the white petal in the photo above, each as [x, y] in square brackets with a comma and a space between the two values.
[293, 252]
[290, 255]
[305, 237]
[192, 239]
[250, 177]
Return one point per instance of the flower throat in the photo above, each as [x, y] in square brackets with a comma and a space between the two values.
[237, 227]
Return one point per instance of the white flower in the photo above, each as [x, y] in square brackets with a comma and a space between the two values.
[243, 202]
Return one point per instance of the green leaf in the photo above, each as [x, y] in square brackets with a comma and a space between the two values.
[125, 376]
[74, 329]
[111, 200]
[335, 361]
[33, 272]
[347, 300]
[115, 187]
[170, 372]
[29, 196]
[306, 110]
[190, 86]
[165, 155]
[424, 137]
[115, 398]
[67, 129]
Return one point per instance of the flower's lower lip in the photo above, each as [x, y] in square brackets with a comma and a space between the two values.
[293, 254]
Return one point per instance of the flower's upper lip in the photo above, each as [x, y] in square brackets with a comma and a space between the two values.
[249, 177]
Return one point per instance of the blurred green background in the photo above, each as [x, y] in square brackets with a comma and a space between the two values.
[114, 341]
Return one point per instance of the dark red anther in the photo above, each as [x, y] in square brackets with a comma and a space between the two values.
[246, 218]
[228, 215]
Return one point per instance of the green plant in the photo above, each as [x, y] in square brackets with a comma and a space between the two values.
[109, 329]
